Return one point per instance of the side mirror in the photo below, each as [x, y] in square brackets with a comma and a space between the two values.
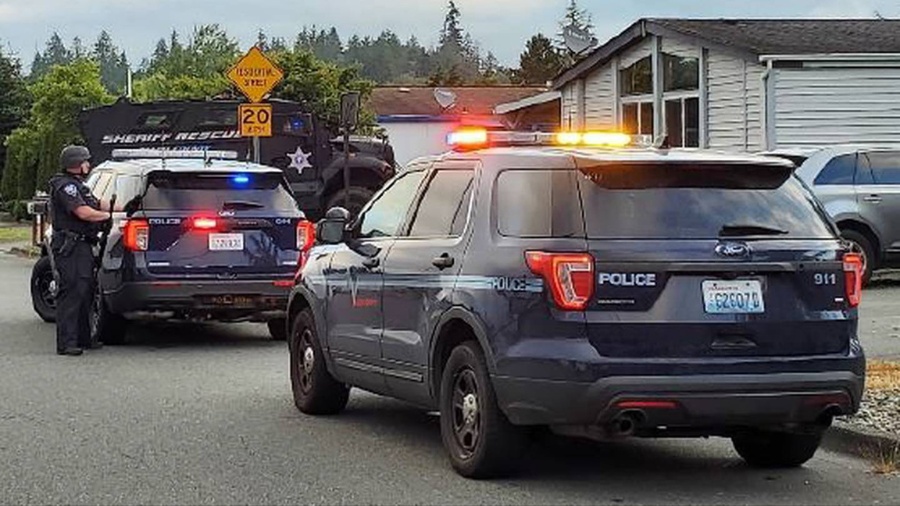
[332, 228]
[133, 205]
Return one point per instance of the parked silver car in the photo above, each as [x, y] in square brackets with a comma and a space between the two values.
[860, 188]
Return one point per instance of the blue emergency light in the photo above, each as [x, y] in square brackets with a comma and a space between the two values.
[240, 179]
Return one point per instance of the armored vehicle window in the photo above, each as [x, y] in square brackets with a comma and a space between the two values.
[444, 208]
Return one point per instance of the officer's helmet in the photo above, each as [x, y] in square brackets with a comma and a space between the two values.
[73, 156]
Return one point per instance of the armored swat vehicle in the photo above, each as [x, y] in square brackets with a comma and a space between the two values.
[302, 145]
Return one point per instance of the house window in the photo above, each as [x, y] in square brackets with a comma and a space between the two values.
[681, 96]
[680, 74]
[637, 117]
[683, 122]
[637, 79]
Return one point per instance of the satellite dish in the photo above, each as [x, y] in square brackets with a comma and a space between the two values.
[445, 98]
[577, 40]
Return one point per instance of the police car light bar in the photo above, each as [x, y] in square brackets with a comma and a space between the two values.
[469, 138]
[125, 154]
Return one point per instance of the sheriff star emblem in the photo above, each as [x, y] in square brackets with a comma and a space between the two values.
[299, 160]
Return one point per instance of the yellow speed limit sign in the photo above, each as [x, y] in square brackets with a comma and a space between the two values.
[255, 120]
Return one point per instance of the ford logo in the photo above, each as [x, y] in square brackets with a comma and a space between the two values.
[733, 250]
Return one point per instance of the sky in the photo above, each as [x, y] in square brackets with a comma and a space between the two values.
[500, 26]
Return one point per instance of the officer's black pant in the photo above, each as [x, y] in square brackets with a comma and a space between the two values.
[74, 296]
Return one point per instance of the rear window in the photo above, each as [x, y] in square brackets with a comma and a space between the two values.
[653, 201]
[216, 192]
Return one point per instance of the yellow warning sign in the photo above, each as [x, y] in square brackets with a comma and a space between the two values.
[255, 120]
[255, 75]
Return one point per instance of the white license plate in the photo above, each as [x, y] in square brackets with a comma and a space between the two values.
[226, 242]
[733, 297]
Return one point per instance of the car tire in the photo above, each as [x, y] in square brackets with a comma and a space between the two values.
[278, 329]
[316, 392]
[106, 327]
[359, 197]
[861, 244]
[776, 449]
[43, 296]
[479, 440]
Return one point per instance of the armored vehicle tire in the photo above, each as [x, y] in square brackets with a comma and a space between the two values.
[479, 439]
[316, 392]
[776, 449]
[359, 197]
[43, 290]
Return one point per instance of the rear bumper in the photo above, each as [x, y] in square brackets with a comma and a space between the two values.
[711, 402]
[211, 299]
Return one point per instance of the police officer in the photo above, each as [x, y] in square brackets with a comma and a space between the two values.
[77, 217]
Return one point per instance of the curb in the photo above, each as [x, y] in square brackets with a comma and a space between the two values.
[860, 442]
[20, 251]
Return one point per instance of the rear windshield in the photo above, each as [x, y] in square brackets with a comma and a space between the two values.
[216, 192]
[653, 201]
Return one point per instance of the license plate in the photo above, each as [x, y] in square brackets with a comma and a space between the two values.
[226, 242]
[733, 297]
[232, 300]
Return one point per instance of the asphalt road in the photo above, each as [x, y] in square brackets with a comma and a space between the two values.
[203, 414]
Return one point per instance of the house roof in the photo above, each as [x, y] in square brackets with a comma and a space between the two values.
[392, 101]
[756, 37]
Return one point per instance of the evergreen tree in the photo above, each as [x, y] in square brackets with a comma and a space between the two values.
[540, 62]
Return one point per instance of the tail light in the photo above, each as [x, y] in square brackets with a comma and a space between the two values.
[136, 235]
[853, 276]
[569, 275]
[201, 223]
[306, 235]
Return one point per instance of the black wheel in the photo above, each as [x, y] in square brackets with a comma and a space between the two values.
[316, 392]
[776, 449]
[359, 197]
[278, 329]
[479, 439]
[861, 244]
[106, 327]
[43, 290]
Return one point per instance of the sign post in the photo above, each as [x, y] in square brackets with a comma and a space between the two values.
[349, 120]
[255, 75]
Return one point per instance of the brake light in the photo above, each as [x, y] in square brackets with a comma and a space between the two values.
[853, 276]
[204, 224]
[136, 235]
[306, 235]
[569, 275]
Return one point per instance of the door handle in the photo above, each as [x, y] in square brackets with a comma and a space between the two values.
[873, 199]
[371, 263]
[442, 262]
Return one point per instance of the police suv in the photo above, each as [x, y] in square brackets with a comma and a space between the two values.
[196, 236]
[601, 289]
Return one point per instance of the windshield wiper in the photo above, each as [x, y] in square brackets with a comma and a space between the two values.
[744, 230]
[242, 204]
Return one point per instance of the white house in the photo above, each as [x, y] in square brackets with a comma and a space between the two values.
[748, 85]
[417, 122]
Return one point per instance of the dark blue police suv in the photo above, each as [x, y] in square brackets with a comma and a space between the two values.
[194, 238]
[601, 290]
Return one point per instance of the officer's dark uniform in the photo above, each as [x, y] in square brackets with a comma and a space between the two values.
[72, 244]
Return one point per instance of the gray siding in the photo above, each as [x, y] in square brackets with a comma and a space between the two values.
[569, 106]
[817, 106]
[600, 99]
[735, 103]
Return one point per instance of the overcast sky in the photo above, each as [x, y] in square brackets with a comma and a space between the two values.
[501, 26]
